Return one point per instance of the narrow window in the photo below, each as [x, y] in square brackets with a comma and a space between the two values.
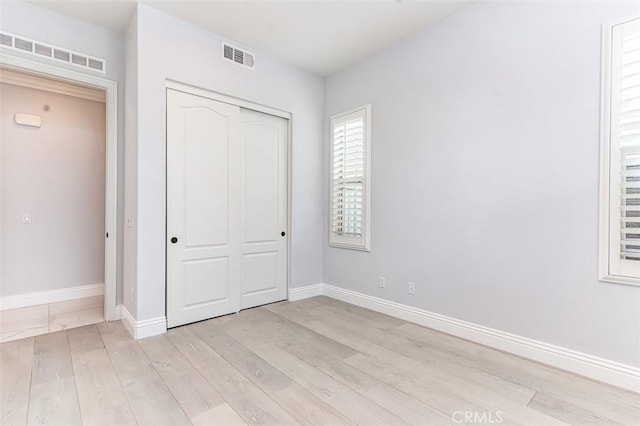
[350, 179]
[620, 153]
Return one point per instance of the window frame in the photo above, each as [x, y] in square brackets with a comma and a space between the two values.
[611, 268]
[362, 243]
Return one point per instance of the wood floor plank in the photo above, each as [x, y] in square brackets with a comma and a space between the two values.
[101, 397]
[348, 402]
[151, 401]
[16, 360]
[84, 338]
[316, 350]
[53, 398]
[424, 391]
[241, 358]
[302, 316]
[475, 395]
[407, 408]
[592, 397]
[472, 355]
[282, 329]
[573, 390]
[199, 400]
[125, 353]
[222, 415]
[164, 355]
[570, 413]
[599, 403]
[52, 358]
[525, 372]
[250, 402]
[374, 319]
[296, 400]
[332, 366]
[598, 397]
[406, 370]
[428, 355]
[149, 398]
[54, 403]
[309, 410]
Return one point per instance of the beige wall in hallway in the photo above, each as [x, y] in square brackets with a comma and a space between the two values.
[57, 175]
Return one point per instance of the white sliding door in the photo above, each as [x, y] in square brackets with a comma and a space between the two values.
[226, 208]
[202, 195]
[264, 211]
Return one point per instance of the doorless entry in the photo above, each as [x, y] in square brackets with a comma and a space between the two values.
[226, 208]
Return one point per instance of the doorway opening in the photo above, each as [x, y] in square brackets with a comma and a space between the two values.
[58, 207]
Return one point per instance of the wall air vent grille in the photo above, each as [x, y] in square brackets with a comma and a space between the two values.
[36, 48]
[6, 40]
[238, 56]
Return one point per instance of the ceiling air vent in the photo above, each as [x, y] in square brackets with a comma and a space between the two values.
[36, 48]
[238, 56]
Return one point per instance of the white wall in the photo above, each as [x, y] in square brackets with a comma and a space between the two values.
[485, 175]
[34, 22]
[55, 173]
[130, 267]
[169, 48]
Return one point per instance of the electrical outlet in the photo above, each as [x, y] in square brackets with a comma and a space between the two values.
[411, 288]
[382, 282]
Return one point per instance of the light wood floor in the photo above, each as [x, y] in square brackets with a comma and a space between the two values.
[316, 361]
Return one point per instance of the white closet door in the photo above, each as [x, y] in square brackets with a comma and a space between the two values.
[263, 216]
[226, 208]
[202, 202]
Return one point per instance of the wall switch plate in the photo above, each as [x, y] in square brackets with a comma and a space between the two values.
[26, 218]
[382, 282]
[411, 288]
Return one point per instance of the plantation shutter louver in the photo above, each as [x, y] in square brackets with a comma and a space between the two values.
[349, 175]
[630, 148]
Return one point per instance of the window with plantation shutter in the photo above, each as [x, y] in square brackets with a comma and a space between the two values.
[350, 189]
[620, 162]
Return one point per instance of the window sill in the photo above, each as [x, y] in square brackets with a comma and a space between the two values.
[618, 279]
[349, 247]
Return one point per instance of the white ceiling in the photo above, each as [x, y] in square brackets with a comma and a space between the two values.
[319, 36]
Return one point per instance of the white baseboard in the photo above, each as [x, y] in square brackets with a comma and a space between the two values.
[50, 296]
[144, 328]
[604, 370]
[118, 314]
[305, 292]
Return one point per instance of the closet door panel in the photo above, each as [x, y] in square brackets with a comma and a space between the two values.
[264, 214]
[202, 259]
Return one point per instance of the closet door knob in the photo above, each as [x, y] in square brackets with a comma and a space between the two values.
[283, 233]
[174, 240]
